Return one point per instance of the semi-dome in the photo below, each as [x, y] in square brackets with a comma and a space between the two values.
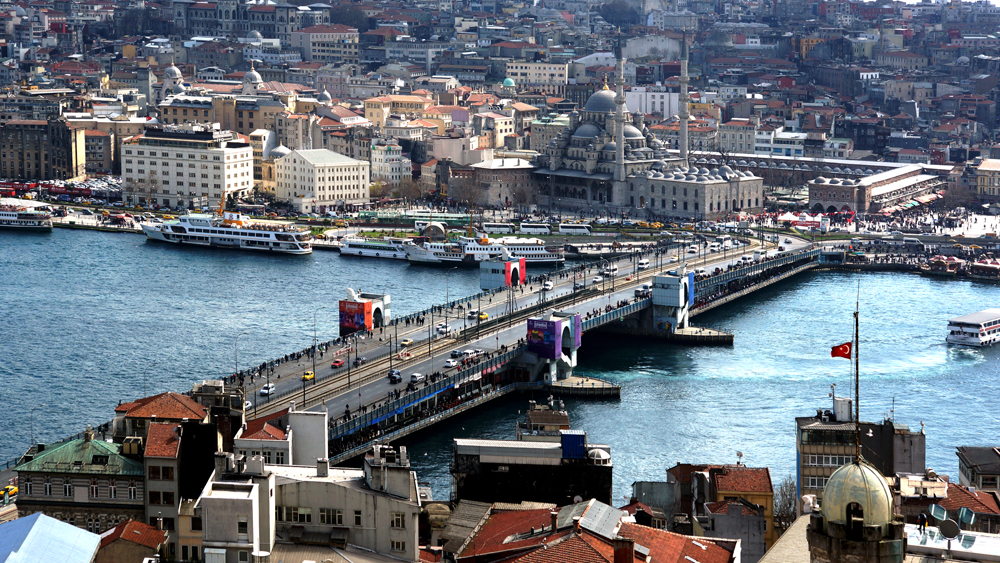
[858, 483]
[601, 101]
[612, 146]
[631, 132]
[587, 131]
[508, 82]
[325, 97]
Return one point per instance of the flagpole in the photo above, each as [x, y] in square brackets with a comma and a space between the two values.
[857, 380]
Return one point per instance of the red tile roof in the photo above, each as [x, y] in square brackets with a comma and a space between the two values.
[979, 501]
[668, 547]
[162, 440]
[168, 406]
[722, 507]
[574, 548]
[265, 431]
[135, 532]
[636, 506]
[495, 534]
[743, 479]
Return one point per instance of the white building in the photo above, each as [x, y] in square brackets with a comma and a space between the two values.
[652, 99]
[388, 163]
[315, 180]
[549, 77]
[182, 165]
[781, 143]
[737, 136]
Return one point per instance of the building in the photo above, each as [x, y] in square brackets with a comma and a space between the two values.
[327, 43]
[550, 78]
[904, 60]
[316, 180]
[737, 136]
[130, 541]
[883, 191]
[135, 417]
[504, 181]
[659, 100]
[749, 484]
[41, 538]
[87, 483]
[185, 166]
[988, 179]
[826, 442]
[161, 456]
[979, 467]
[42, 150]
[388, 165]
[378, 109]
[99, 149]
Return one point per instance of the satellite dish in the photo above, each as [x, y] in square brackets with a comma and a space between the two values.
[949, 529]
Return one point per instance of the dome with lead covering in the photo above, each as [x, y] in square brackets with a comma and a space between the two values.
[601, 101]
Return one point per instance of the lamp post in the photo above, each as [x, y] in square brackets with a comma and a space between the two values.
[315, 342]
[144, 370]
[31, 421]
[236, 353]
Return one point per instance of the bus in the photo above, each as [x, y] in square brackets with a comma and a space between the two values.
[498, 228]
[419, 226]
[534, 229]
[574, 229]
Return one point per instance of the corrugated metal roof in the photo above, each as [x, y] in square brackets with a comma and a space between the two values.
[42, 538]
[978, 318]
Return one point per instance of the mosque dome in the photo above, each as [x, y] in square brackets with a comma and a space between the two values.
[858, 483]
[172, 72]
[254, 35]
[601, 101]
[280, 151]
[253, 77]
[325, 97]
[587, 131]
[631, 132]
[508, 82]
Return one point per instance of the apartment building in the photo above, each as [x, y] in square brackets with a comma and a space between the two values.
[320, 179]
[327, 43]
[550, 78]
[36, 149]
[737, 136]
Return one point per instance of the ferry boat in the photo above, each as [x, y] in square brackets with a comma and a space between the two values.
[985, 269]
[21, 217]
[231, 230]
[472, 250]
[976, 329]
[387, 247]
[942, 266]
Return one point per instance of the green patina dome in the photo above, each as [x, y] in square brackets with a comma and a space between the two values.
[508, 82]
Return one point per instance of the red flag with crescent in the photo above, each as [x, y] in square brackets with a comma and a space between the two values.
[842, 351]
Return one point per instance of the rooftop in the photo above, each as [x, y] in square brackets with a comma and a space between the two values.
[134, 532]
[169, 406]
[42, 538]
[162, 440]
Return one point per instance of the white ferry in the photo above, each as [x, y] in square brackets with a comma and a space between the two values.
[20, 217]
[231, 230]
[388, 247]
[976, 329]
[472, 250]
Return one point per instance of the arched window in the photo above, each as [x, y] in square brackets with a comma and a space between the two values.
[67, 488]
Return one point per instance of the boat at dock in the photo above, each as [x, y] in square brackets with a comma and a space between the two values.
[984, 270]
[976, 329]
[473, 250]
[231, 230]
[386, 247]
[23, 218]
[942, 266]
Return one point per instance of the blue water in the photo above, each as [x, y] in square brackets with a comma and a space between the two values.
[87, 313]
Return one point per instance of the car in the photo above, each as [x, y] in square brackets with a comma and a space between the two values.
[672, 259]
[406, 342]
[247, 405]
[457, 354]
[417, 377]
[547, 286]
[444, 329]
[267, 389]
[788, 241]
[396, 378]
[473, 313]
[483, 316]
[781, 249]
[692, 250]
[306, 376]
[360, 361]
[580, 284]
[10, 490]
[338, 363]
[451, 363]
[596, 279]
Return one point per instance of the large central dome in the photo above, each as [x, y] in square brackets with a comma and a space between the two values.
[601, 101]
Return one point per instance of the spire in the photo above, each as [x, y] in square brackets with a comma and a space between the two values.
[606, 81]
[682, 111]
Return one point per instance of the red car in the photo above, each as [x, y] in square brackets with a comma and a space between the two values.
[337, 364]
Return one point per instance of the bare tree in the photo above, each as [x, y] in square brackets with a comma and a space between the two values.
[524, 194]
[785, 498]
[464, 189]
[407, 188]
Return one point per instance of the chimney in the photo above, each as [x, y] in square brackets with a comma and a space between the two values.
[554, 518]
[576, 524]
[624, 549]
[88, 434]
[322, 467]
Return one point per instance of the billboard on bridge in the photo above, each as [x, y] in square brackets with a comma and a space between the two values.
[543, 338]
[355, 316]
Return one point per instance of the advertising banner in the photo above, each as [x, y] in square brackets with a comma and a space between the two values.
[577, 331]
[515, 265]
[543, 338]
[355, 316]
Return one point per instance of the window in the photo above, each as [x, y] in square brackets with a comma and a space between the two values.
[396, 545]
[154, 472]
[167, 473]
[242, 526]
[398, 520]
[132, 493]
[244, 556]
[67, 488]
[195, 524]
[357, 517]
[94, 491]
[48, 488]
[154, 497]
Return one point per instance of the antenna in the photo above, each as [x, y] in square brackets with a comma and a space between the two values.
[739, 457]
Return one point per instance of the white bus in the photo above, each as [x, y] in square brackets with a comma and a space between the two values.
[534, 229]
[723, 240]
[498, 228]
[420, 225]
[574, 229]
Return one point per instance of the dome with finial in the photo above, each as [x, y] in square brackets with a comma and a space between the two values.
[253, 77]
[254, 34]
[508, 82]
[172, 72]
[325, 97]
[862, 485]
[601, 101]
[280, 151]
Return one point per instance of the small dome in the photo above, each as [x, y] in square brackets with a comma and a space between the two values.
[598, 454]
[587, 131]
[963, 60]
[632, 133]
[601, 101]
[325, 97]
[612, 146]
[819, 180]
[253, 77]
[508, 82]
[858, 483]
[172, 72]
[280, 151]
[254, 35]
[180, 88]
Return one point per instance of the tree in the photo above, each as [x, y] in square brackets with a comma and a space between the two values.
[378, 189]
[785, 498]
[620, 13]
[349, 16]
[463, 189]
[407, 188]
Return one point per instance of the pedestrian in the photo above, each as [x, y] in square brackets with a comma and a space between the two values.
[923, 522]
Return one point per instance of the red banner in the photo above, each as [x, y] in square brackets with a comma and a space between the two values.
[355, 316]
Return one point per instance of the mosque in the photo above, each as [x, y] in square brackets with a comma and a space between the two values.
[608, 160]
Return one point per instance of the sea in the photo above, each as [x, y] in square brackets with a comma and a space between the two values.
[92, 319]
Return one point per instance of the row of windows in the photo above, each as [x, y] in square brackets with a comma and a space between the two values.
[815, 482]
[67, 488]
[827, 460]
[279, 456]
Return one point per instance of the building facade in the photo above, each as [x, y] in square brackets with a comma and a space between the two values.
[316, 180]
[388, 165]
[327, 43]
[42, 150]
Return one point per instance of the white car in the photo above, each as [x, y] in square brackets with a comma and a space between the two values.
[417, 378]
[596, 279]
[248, 405]
[788, 241]
[547, 286]
[672, 260]
[451, 363]
[267, 389]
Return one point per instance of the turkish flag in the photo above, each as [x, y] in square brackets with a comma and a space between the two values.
[842, 351]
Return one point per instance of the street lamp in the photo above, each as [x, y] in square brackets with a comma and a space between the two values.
[315, 342]
[144, 370]
[31, 418]
[236, 354]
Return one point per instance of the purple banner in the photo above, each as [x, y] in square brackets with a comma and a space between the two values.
[542, 338]
[577, 331]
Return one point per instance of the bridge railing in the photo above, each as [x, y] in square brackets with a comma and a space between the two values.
[616, 313]
[708, 284]
[398, 406]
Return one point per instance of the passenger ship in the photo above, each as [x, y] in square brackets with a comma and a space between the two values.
[231, 230]
[976, 329]
[472, 250]
[388, 247]
[20, 217]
